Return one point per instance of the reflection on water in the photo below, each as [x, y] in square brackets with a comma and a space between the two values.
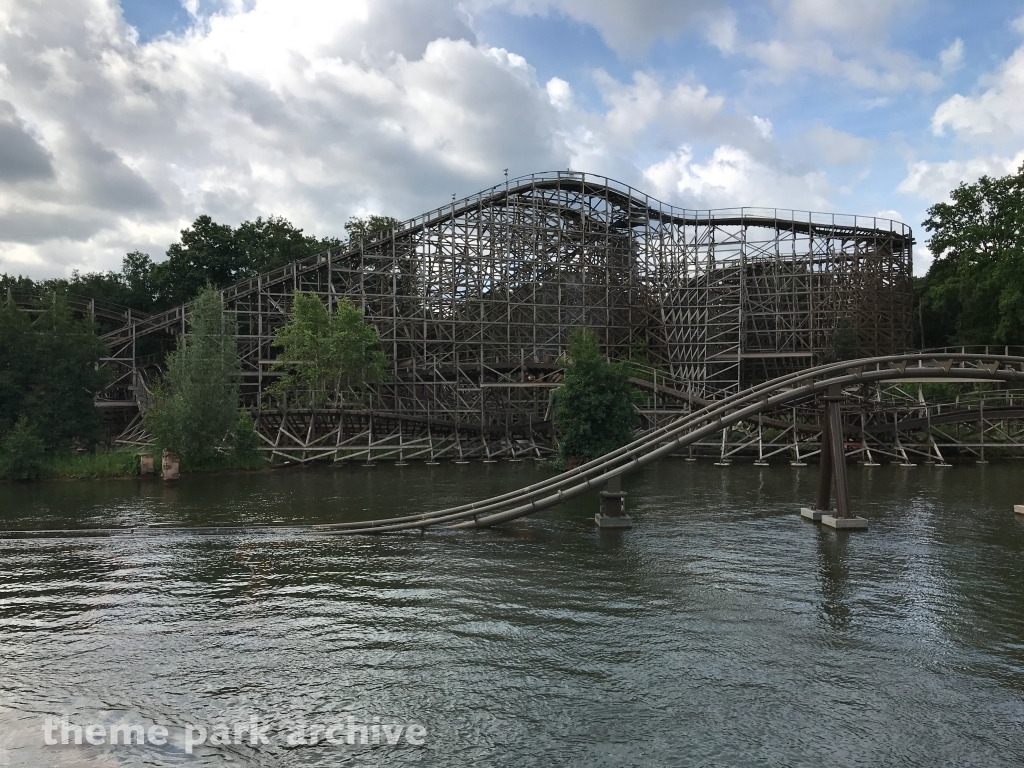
[722, 630]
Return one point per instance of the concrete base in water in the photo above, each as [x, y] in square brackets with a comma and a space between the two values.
[845, 523]
[812, 514]
[1019, 509]
[613, 521]
[170, 465]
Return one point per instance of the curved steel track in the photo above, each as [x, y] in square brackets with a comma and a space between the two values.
[693, 427]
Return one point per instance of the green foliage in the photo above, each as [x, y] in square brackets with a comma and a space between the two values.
[844, 341]
[194, 408]
[21, 452]
[324, 351]
[90, 465]
[595, 408]
[360, 229]
[207, 254]
[245, 441]
[218, 255]
[974, 291]
[49, 371]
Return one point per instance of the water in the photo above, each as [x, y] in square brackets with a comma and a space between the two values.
[721, 630]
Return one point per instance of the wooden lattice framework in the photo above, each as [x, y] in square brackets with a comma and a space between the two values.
[475, 302]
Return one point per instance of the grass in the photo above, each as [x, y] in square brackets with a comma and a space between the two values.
[125, 463]
[121, 463]
[224, 461]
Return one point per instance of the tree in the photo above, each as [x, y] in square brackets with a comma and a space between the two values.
[267, 244]
[360, 229]
[50, 373]
[844, 341]
[219, 255]
[21, 452]
[323, 351]
[194, 408]
[16, 362]
[975, 286]
[595, 409]
[208, 253]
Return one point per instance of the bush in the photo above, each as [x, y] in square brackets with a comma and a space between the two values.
[194, 410]
[245, 441]
[121, 463]
[49, 371]
[595, 410]
[21, 452]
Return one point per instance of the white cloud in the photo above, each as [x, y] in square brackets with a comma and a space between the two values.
[839, 148]
[308, 112]
[952, 58]
[763, 126]
[560, 93]
[318, 111]
[891, 215]
[934, 181]
[732, 177]
[840, 39]
[634, 107]
[630, 27]
[883, 70]
[860, 20]
[722, 34]
[995, 115]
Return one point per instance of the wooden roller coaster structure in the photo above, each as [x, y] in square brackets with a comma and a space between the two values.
[475, 302]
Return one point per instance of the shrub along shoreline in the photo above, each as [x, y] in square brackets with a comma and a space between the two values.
[124, 463]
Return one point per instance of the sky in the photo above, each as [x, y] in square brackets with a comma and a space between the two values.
[120, 123]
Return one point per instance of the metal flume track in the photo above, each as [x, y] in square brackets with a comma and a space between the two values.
[695, 426]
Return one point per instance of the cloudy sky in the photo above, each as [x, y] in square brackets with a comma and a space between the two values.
[121, 122]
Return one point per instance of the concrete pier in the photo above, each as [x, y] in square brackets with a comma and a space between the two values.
[613, 507]
[1019, 509]
[814, 515]
[845, 523]
[170, 465]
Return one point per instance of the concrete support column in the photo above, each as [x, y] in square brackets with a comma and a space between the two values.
[613, 506]
[170, 465]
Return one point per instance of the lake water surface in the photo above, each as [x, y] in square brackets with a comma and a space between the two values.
[721, 630]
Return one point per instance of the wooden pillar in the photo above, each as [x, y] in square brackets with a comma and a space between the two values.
[835, 423]
[832, 472]
[821, 503]
[832, 460]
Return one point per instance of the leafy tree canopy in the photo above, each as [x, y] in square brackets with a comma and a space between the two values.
[49, 372]
[323, 351]
[359, 229]
[974, 291]
[208, 253]
[194, 408]
[595, 409]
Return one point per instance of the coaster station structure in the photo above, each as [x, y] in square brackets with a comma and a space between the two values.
[475, 303]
